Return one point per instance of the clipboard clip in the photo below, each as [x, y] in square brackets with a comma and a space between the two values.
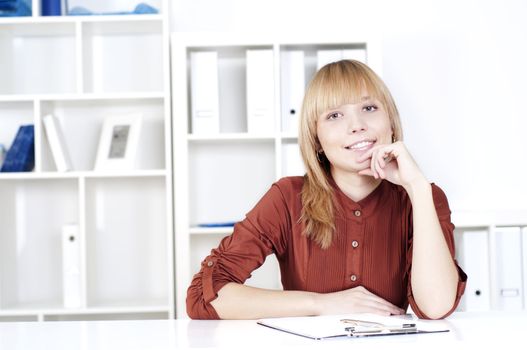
[367, 328]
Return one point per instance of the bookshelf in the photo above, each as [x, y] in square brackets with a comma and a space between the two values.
[83, 69]
[221, 176]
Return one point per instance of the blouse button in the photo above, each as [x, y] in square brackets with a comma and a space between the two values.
[210, 263]
[354, 244]
[357, 213]
[353, 278]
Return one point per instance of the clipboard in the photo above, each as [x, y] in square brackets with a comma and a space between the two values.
[350, 325]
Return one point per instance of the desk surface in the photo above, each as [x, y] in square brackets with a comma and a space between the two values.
[468, 330]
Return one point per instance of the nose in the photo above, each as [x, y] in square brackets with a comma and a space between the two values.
[356, 124]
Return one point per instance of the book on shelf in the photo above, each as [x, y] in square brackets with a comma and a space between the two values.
[57, 143]
[21, 154]
[2, 154]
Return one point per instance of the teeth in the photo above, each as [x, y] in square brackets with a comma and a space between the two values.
[360, 145]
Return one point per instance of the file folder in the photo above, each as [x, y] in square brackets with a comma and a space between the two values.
[474, 249]
[71, 266]
[260, 91]
[508, 292]
[293, 82]
[204, 92]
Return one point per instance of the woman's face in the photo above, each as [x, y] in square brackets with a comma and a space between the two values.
[349, 130]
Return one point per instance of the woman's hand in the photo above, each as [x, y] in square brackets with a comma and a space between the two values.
[392, 162]
[357, 299]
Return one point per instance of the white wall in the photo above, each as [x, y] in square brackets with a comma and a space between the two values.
[457, 69]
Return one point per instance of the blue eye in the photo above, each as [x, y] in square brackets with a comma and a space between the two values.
[370, 108]
[333, 116]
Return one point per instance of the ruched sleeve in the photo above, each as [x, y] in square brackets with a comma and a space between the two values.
[443, 213]
[261, 233]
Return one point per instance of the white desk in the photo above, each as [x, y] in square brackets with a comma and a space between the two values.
[468, 330]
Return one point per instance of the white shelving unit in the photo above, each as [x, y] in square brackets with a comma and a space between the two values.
[82, 69]
[220, 177]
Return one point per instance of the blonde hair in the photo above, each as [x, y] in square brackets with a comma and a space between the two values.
[333, 85]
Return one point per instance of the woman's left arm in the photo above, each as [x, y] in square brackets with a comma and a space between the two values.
[434, 275]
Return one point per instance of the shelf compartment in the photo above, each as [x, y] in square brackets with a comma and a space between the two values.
[115, 60]
[232, 64]
[30, 250]
[126, 240]
[12, 116]
[220, 172]
[82, 124]
[37, 58]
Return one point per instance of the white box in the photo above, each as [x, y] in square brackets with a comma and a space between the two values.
[204, 86]
[474, 249]
[508, 288]
[354, 54]
[57, 143]
[260, 91]
[292, 164]
[71, 266]
[327, 56]
[293, 82]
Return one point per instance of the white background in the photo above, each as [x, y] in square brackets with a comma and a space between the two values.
[457, 70]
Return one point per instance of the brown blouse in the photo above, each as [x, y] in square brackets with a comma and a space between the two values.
[372, 247]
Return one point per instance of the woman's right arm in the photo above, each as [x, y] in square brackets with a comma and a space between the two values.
[237, 301]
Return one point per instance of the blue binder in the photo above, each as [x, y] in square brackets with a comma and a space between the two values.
[21, 155]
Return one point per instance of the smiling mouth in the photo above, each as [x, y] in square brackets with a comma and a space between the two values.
[360, 146]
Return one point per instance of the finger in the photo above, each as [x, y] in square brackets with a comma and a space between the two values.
[372, 164]
[386, 307]
[379, 308]
[365, 155]
[369, 296]
[380, 170]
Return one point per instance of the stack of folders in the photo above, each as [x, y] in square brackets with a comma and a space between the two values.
[352, 325]
[21, 155]
[57, 143]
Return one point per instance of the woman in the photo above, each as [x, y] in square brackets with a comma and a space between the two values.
[362, 231]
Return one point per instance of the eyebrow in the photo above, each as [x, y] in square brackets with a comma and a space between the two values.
[365, 98]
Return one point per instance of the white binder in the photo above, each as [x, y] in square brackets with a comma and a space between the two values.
[204, 85]
[292, 164]
[327, 56]
[293, 82]
[71, 266]
[508, 290]
[524, 255]
[354, 54]
[475, 262]
[260, 91]
[57, 143]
